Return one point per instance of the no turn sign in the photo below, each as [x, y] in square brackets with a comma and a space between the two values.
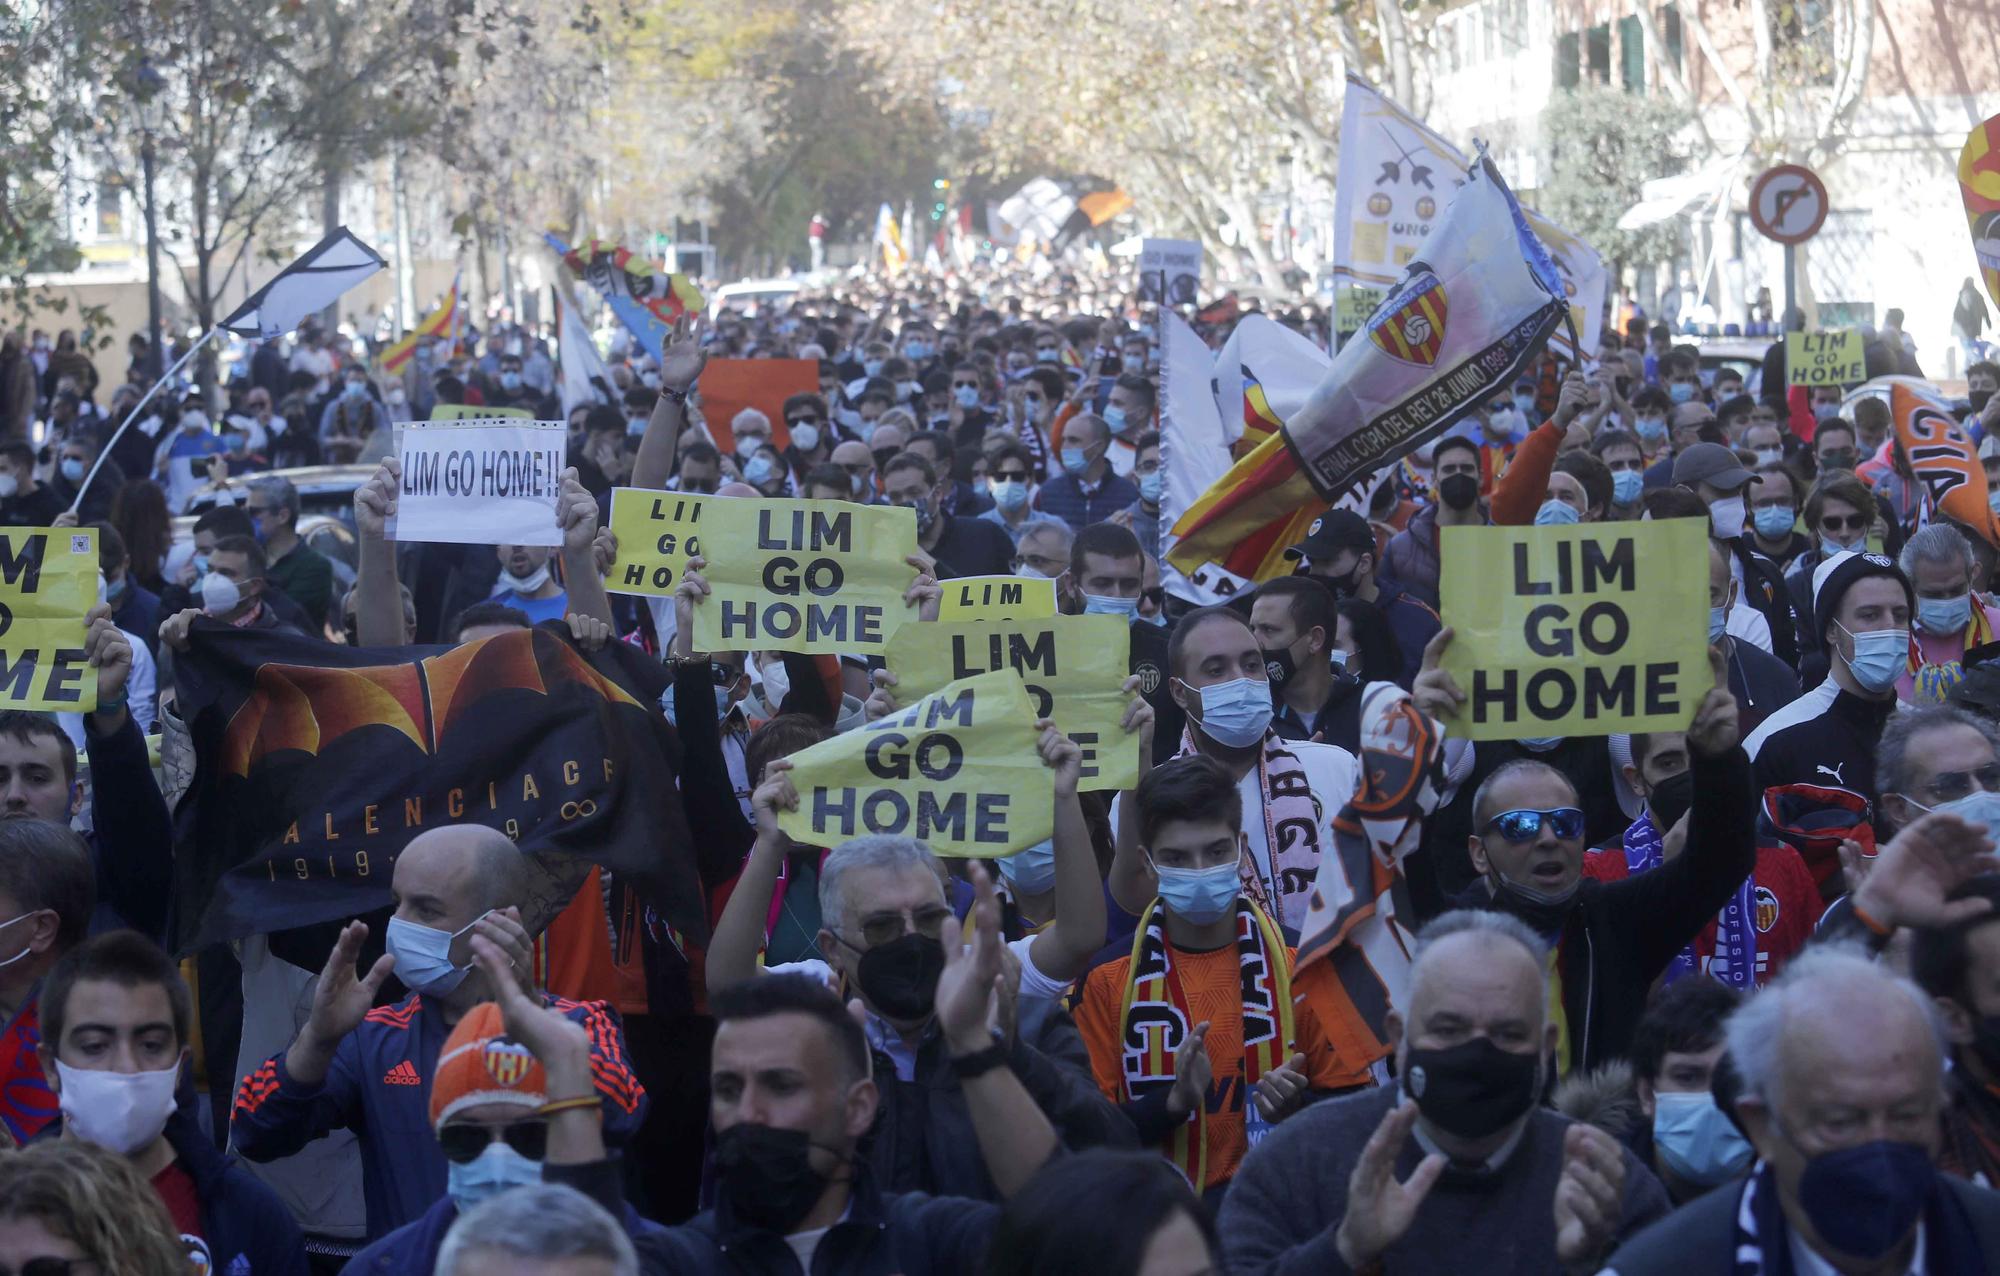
[1788, 203]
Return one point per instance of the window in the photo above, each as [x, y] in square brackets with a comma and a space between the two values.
[1670, 32]
[1632, 54]
[1597, 48]
[1568, 49]
[110, 200]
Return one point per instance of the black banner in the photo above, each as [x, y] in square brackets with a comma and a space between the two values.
[316, 764]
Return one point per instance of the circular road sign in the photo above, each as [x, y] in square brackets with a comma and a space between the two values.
[1788, 203]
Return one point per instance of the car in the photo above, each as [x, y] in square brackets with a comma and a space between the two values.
[1741, 355]
[753, 295]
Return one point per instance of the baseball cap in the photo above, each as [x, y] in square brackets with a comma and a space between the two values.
[1713, 464]
[1333, 531]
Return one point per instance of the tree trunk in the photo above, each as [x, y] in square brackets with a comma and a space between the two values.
[1396, 52]
[329, 216]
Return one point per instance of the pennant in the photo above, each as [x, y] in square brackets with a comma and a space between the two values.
[645, 301]
[438, 323]
[1942, 456]
[1979, 188]
[306, 287]
[1474, 307]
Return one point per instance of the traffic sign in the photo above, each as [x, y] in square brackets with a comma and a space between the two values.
[1788, 203]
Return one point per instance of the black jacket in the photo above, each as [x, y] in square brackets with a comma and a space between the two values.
[132, 836]
[882, 1235]
[1761, 683]
[1764, 589]
[1827, 736]
[1620, 936]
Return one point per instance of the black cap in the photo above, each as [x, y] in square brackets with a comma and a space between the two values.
[1332, 531]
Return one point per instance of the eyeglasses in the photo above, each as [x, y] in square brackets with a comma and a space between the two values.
[46, 1267]
[796, 421]
[1009, 476]
[1526, 825]
[887, 928]
[1040, 562]
[1843, 522]
[463, 1142]
[1949, 786]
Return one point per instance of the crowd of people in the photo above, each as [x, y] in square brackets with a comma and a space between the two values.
[1716, 999]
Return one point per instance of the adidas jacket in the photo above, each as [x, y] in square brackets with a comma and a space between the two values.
[379, 1086]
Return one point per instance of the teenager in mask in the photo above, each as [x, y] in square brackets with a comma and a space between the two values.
[1314, 693]
[116, 1024]
[1686, 1138]
[1411, 556]
[1010, 475]
[1456, 1167]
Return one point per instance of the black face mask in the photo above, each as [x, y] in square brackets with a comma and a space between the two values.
[1670, 799]
[1458, 491]
[900, 977]
[1472, 1089]
[766, 1177]
[1546, 916]
[1978, 398]
[1279, 665]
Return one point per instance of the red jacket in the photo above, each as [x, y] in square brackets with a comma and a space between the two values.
[1782, 892]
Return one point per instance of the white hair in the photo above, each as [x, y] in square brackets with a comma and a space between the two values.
[750, 416]
[1936, 543]
[1756, 1030]
[877, 850]
[538, 1221]
[1466, 921]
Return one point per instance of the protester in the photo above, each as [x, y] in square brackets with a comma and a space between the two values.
[1411, 557]
[1948, 622]
[1087, 490]
[66, 1206]
[1686, 1137]
[1104, 1213]
[1315, 695]
[528, 1231]
[1340, 551]
[961, 545]
[302, 572]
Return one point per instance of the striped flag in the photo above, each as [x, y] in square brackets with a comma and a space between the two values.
[438, 323]
[646, 302]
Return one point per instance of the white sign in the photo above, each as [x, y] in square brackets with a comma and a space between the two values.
[1169, 271]
[480, 481]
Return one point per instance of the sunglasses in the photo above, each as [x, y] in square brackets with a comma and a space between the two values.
[463, 1143]
[1949, 786]
[796, 422]
[1010, 476]
[1848, 522]
[45, 1267]
[1526, 825]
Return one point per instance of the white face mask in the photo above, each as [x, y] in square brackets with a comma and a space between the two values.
[24, 951]
[528, 584]
[121, 1112]
[777, 684]
[219, 594]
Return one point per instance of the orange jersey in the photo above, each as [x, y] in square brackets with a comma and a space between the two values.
[1213, 985]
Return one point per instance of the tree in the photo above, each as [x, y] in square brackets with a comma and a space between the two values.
[1604, 144]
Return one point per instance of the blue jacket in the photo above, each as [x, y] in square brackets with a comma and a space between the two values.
[413, 1247]
[379, 1086]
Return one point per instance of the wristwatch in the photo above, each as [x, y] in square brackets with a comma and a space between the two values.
[967, 1066]
[679, 397]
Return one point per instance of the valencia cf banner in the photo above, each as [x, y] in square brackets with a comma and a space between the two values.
[316, 764]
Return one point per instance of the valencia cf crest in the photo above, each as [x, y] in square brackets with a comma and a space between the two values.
[1767, 909]
[506, 1061]
[1414, 330]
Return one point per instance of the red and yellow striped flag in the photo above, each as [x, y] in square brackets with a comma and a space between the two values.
[436, 324]
[1248, 518]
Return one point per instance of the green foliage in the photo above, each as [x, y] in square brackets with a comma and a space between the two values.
[1604, 144]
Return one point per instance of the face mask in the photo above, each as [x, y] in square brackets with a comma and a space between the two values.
[1697, 1141]
[1009, 494]
[872, 367]
[967, 396]
[805, 437]
[858, 483]
[1978, 399]
[1339, 657]
[1114, 416]
[120, 1112]
[397, 398]
[1726, 517]
[1236, 713]
[1073, 460]
[1279, 665]
[909, 389]
[1045, 356]
[1103, 605]
[1943, 617]
[651, 380]
[1837, 459]
[359, 389]
[1825, 411]
[777, 684]
[1626, 485]
[900, 977]
[1993, 501]
[1458, 491]
[1769, 455]
[423, 956]
[72, 469]
[510, 381]
[1718, 623]
[1680, 392]
[487, 1175]
[1651, 428]
[219, 594]
[528, 584]
[1524, 404]
[1032, 871]
[9, 485]
[1670, 799]
[926, 516]
[1774, 521]
[1555, 514]
[917, 351]
[1201, 895]
[765, 1176]
[1544, 911]
[1880, 657]
[238, 444]
[1864, 1200]
[1505, 420]
[1977, 808]
[1829, 547]
[1472, 1089]
[1150, 485]
[760, 470]
[635, 426]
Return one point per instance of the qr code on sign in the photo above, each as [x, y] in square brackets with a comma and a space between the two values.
[79, 544]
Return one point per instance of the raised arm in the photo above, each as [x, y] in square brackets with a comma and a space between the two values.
[576, 513]
[1063, 949]
[1133, 884]
[680, 365]
[739, 932]
[378, 595]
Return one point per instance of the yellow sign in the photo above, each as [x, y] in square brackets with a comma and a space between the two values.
[957, 770]
[997, 598]
[48, 581]
[656, 536]
[1580, 630]
[1074, 667]
[1353, 305]
[1824, 358]
[459, 411]
[824, 577]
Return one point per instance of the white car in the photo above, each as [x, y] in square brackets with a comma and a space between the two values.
[752, 295]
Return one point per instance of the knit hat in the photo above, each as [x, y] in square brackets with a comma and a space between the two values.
[481, 1064]
[1836, 575]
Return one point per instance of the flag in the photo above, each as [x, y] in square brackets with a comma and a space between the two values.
[890, 240]
[316, 764]
[645, 301]
[1475, 305]
[1979, 187]
[584, 379]
[307, 286]
[1194, 450]
[1396, 181]
[438, 323]
[1942, 456]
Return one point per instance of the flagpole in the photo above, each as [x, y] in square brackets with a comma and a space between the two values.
[104, 451]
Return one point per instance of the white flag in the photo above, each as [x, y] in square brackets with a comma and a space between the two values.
[584, 379]
[1194, 449]
[307, 286]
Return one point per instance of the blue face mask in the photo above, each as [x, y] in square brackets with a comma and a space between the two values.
[1032, 871]
[1073, 460]
[968, 396]
[1718, 623]
[1008, 494]
[423, 956]
[1555, 513]
[1978, 808]
[1829, 547]
[1773, 521]
[1201, 895]
[1525, 402]
[1150, 486]
[1651, 428]
[1540, 743]
[1114, 416]
[1944, 617]
[359, 389]
[510, 381]
[487, 1175]
[1680, 392]
[872, 367]
[760, 470]
[1626, 485]
[1880, 657]
[1099, 605]
[1236, 713]
[917, 350]
[1696, 1140]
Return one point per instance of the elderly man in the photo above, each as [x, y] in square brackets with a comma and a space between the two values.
[370, 1068]
[1087, 490]
[544, 1230]
[1457, 1168]
[1843, 1082]
[1042, 547]
[1950, 617]
[301, 571]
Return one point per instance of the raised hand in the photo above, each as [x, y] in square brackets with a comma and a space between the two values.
[684, 358]
[559, 1042]
[967, 988]
[109, 652]
[777, 793]
[375, 500]
[1715, 729]
[1589, 1196]
[1062, 754]
[881, 702]
[590, 633]
[342, 998]
[1909, 880]
[1380, 1209]
[924, 593]
[1435, 692]
[576, 513]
